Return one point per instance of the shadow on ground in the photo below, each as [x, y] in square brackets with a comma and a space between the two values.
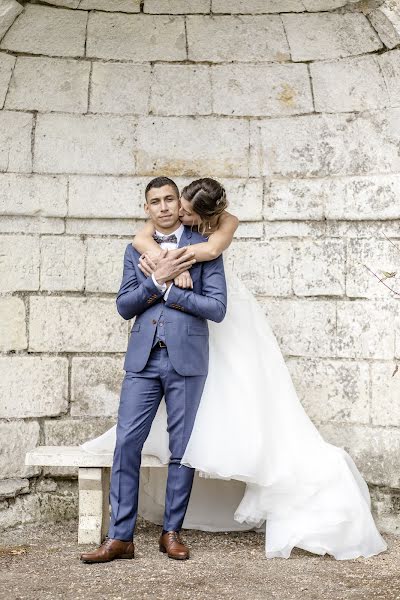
[41, 562]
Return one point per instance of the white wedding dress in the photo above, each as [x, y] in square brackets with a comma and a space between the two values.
[260, 459]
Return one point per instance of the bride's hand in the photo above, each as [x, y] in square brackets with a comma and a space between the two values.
[148, 262]
[184, 280]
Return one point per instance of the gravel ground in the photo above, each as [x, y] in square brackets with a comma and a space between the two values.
[41, 562]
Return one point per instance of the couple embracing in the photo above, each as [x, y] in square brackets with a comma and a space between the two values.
[241, 420]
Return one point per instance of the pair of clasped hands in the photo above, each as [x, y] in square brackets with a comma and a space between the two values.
[169, 266]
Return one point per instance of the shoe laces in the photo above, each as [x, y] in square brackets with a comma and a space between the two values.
[174, 535]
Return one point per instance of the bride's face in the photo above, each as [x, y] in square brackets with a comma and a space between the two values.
[186, 213]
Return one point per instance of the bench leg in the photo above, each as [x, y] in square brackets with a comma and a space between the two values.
[94, 515]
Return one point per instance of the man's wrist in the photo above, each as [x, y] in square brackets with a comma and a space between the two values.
[161, 285]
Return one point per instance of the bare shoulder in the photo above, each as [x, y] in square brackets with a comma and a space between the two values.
[228, 219]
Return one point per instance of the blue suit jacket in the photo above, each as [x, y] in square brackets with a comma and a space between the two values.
[185, 312]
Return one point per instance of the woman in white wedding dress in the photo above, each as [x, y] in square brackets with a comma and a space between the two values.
[251, 427]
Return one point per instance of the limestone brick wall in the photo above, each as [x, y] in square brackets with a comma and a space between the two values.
[295, 107]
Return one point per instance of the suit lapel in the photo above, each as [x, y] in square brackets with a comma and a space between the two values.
[185, 237]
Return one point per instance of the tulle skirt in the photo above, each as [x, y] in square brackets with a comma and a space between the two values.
[260, 460]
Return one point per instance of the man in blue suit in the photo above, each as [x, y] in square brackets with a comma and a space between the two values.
[167, 356]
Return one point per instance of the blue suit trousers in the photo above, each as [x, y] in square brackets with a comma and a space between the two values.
[140, 397]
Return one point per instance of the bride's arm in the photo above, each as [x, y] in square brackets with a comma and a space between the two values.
[217, 241]
[144, 242]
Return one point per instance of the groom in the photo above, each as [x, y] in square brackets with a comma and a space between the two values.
[167, 356]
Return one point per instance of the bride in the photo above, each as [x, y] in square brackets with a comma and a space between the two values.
[251, 427]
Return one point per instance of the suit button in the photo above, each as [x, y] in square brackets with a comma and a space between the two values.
[154, 322]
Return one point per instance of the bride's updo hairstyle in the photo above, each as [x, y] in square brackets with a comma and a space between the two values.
[207, 197]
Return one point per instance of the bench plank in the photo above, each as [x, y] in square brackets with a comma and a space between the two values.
[73, 456]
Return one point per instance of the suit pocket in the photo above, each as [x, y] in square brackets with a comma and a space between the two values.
[135, 327]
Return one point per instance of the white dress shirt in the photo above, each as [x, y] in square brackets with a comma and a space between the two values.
[170, 246]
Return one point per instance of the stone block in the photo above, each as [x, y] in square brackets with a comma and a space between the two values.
[332, 390]
[107, 227]
[181, 90]
[296, 199]
[386, 20]
[385, 507]
[104, 264]
[33, 386]
[49, 85]
[319, 267]
[10, 488]
[244, 39]
[12, 324]
[303, 327]
[17, 438]
[256, 6]
[97, 197]
[31, 225]
[15, 141]
[68, 324]
[389, 63]
[35, 195]
[261, 90]
[361, 229]
[24, 509]
[365, 197]
[125, 6]
[96, 386]
[44, 30]
[6, 68]
[385, 394]
[120, 88]
[63, 3]
[365, 329]
[176, 7]
[9, 11]
[91, 144]
[250, 231]
[349, 85]
[72, 432]
[376, 451]
[141, 38]
[62, 266]
[265, 267]
[318, 5]
[19, 263]
[294, 229]
[379, 256]
[326, 145]
[206, 145]
[324, 35]
[245, 197]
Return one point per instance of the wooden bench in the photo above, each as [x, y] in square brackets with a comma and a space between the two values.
[94, 484]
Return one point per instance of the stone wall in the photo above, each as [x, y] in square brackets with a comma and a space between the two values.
[295, 106]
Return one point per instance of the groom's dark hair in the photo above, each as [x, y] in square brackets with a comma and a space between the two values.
[158, 182]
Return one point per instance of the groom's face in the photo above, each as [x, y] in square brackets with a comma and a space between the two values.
[162, 206]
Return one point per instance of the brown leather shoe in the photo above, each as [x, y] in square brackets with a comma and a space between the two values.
[110, 549]
[171, 543]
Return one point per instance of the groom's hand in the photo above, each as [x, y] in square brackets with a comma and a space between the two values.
[172, 265]
[184, 281]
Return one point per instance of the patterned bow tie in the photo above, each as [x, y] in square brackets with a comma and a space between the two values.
[165, 238]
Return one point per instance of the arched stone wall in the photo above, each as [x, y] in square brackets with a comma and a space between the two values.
[295, 106]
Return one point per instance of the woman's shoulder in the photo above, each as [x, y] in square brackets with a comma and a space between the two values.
[226, 216]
